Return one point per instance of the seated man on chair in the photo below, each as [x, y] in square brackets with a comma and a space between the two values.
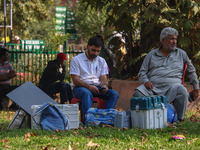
[55, 71]
[89, 75]
[162, 70]
[6, 74]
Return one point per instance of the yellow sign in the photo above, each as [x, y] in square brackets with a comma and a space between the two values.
[3, 39]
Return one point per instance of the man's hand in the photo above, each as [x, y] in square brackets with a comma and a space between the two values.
[8, 76]
[148, 85]
[93, 89]
[11, 74]
[62, 63]
[104, 90]
[195, 94]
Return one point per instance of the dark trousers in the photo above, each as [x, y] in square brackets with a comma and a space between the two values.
[59, 87]
[5, 89]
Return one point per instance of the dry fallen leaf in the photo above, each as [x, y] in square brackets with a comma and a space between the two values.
[45, 148]
[191, 141]
[173, 125]
[28, 135]
[91, 144]
[80, 127]
[70, 148]
[144, 141]
[76, 132]
[116, 140]
[106, 125]
[194, 139]
[173, 133]
[124, 128]
[75, 148]
[8, 146]
[188, 142]
[57, 131]
[27, 140]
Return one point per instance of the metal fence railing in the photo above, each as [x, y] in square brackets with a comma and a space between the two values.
[29, 64]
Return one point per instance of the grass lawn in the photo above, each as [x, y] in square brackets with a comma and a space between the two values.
[102, 138]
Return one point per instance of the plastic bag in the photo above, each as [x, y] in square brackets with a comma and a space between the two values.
[95, 116]
[171, 114]
[20, 119]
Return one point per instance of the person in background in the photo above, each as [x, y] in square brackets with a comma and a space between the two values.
[17, 42]
[52, 78]
[6, 74]
[162, 71]
[89, 75]
[108, 55]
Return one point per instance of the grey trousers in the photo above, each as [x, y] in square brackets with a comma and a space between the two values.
[177, 95]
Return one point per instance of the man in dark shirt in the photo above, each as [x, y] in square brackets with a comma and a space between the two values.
[55, 71]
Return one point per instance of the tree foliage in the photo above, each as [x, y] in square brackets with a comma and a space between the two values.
[149, 17]
[91, 22]
[34, 19]
[26, 13]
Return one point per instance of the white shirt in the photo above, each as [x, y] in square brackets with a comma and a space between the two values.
[89, 71]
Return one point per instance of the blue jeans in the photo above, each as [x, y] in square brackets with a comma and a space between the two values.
[59, 87]
[86, 97]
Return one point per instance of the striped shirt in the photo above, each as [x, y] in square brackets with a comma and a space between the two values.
[4, 69]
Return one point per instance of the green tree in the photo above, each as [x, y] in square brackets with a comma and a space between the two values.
[91, 22]
[26, 13]
[149, 17]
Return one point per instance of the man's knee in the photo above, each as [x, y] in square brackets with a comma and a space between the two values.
[81, 91]
[138, 93]
[114, 93]
[64, 85]
[183, 91]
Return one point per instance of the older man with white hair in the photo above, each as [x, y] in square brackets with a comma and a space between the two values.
[162, 71]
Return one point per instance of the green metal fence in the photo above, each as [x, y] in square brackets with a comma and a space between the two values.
[30, 63]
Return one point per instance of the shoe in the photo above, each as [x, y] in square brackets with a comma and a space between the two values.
[180, 120]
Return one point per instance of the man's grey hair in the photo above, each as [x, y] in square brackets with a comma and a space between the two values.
[167, 31]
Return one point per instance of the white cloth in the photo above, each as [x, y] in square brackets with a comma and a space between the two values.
[89, 71]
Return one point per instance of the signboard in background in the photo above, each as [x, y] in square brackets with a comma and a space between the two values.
[61, 9]
[60, 19]
[32, 44]
[60, 15]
